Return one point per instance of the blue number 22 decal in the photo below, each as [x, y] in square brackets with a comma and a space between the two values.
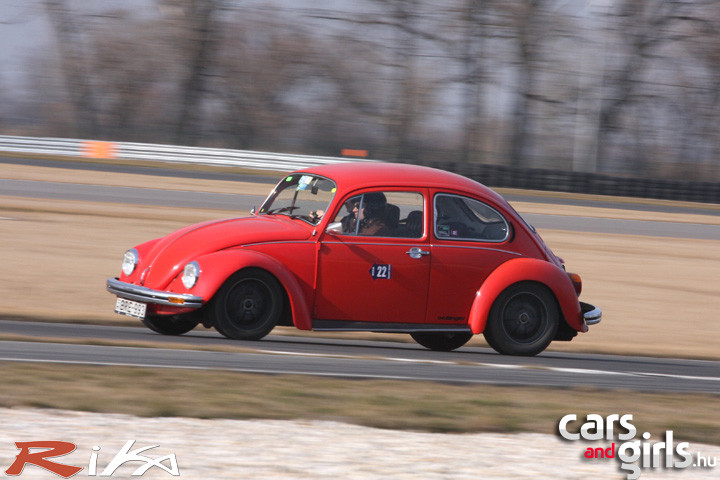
[380, 272]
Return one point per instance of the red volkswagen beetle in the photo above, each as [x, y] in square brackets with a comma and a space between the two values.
[373, 247]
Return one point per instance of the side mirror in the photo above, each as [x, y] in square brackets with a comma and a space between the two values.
[253, 211]
[334, 229]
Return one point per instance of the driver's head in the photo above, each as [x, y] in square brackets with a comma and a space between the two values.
[352, 204]
[374, 204]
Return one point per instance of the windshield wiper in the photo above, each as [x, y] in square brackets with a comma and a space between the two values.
[281, 210]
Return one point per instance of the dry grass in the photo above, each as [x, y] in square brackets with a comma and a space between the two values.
[426, 406]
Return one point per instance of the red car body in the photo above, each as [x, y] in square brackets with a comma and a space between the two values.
[365, 247]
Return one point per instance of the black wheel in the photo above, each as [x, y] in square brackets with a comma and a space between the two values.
[170, 324]
[441, 341]
[248, 305]
[523, 320]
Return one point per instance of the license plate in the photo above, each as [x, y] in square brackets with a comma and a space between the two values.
[130, 308]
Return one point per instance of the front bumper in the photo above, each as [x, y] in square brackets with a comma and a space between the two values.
[147, 295]
[591, 314]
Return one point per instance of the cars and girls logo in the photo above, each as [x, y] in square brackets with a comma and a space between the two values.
[38, 454]
[634, 455]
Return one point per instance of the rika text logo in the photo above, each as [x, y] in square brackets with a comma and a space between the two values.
[42, 454]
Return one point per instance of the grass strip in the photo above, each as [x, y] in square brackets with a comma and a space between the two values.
[422, 406]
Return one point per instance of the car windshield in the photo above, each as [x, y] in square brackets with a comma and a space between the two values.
[302, 196]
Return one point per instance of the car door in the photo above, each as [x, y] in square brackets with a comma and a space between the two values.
[470, 240]
[373, 260]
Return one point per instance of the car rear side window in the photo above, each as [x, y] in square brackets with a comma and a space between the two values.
[462, 218]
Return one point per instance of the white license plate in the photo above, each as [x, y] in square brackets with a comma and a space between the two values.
[130, 308]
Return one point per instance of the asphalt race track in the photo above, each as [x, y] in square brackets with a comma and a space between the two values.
[310, 355]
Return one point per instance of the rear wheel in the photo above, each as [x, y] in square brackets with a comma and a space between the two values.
[170, 324]
[523, 320]
[248, 305]
[441, 341]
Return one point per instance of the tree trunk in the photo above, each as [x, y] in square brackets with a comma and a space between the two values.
[77, 80]
[202, 33]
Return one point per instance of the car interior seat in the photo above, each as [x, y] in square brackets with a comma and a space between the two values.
[391, 216]
[414, 224]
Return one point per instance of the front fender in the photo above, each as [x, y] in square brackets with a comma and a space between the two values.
[216, 267]
[524, 270]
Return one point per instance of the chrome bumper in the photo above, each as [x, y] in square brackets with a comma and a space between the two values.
[591, 313]
[148, 295]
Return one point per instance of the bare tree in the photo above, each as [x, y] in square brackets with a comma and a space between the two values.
[3, 101]
[644, 27]
[77, 78]
[259, 63]
[200, 28]
[703, 43]
[408, 78]
[529, 23]
[407, 33]
[472, 55]
[136, 68]
[404, 53]
[281, 85]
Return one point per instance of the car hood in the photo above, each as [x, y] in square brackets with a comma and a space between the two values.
[169, 255]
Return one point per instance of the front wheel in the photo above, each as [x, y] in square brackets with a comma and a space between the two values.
[523, 320]
[441, 341]
[170, 324]
[248, 305]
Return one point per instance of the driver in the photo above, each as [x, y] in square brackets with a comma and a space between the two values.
[373, 211]
[349, 221]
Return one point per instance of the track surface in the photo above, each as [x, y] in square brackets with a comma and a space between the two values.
[309, 355]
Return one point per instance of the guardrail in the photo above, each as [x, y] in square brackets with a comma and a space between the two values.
[40, 146]
[490, 175]
[67, 147]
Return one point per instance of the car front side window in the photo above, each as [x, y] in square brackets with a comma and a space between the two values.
[462, 218]
[381, 214]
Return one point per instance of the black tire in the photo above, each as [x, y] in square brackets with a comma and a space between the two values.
[441, 341]
[523, 320]
[248, 305]
[170, 324]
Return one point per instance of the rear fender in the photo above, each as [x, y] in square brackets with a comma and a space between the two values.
[216, 267]
[524, 270]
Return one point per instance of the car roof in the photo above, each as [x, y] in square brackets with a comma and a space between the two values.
[353, 175]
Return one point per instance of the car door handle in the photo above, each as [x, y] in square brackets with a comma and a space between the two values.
[417, 252]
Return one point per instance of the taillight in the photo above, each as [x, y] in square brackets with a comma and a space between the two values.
[576, 281]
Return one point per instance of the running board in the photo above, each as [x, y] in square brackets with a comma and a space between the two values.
[348, 326]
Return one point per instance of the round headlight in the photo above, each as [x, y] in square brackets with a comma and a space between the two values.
[191, 272]
[130, 261]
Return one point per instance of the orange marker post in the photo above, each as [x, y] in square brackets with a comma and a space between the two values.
[348, 152]
[96, 149]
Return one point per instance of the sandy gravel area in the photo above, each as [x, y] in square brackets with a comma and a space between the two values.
[278, 450]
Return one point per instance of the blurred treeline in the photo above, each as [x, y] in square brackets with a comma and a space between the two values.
[626, 86]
